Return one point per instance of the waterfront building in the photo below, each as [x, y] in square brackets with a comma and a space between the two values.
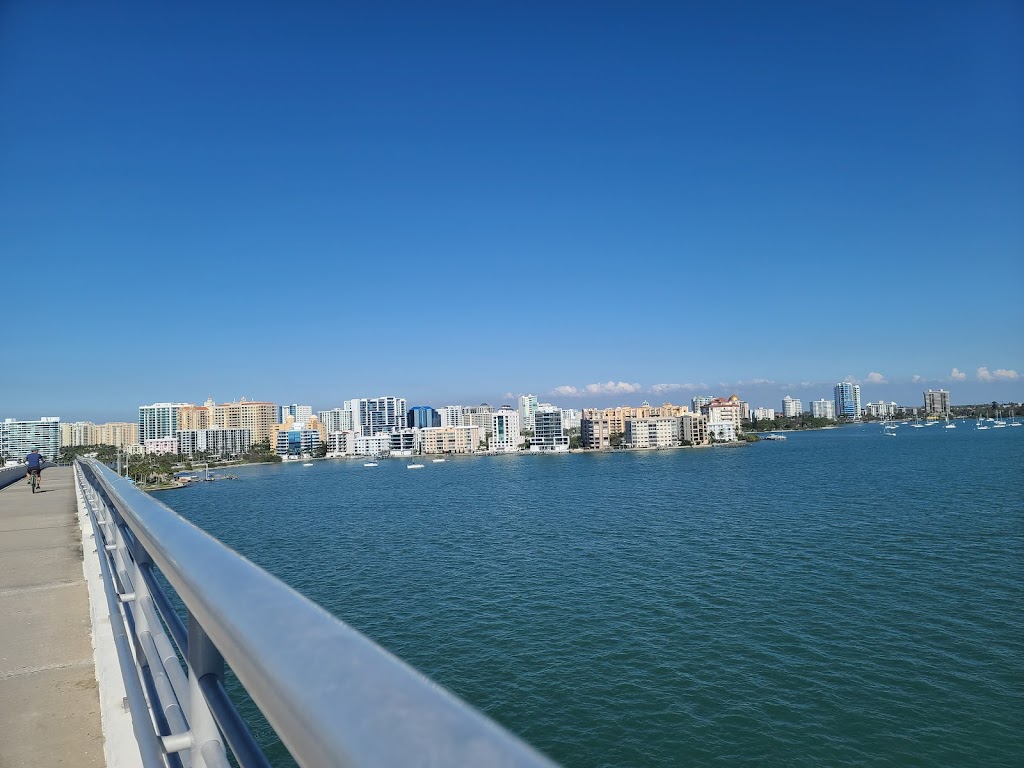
[421, 417]
[653, 432]
[791, 406]
[158, 420]
[722, 431]
[764, 414]
[548, 432]
[214, 442]
[301, 413]
[161, 445]
[461, 439]
[527, 407]
[693, 429]
[451, 415]
[405, 442]
[936, 403]
[506, 435]
[823, 409]
[847, 400]
[881, 409]
[722, 411]
[295, 441]
[336, 420]
[18, 437]
[570, 418]
[479, 416]
[373, 415]
[372, 445]
[258, 417]
[700, 403]
[341, 442]
[595, 429]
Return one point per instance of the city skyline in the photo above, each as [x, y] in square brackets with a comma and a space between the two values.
[595, 206]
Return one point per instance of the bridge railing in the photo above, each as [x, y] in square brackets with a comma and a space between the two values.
[333, 697]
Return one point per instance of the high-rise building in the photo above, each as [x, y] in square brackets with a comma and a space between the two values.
[506, 434]
[422, 417]
[336, 420]
[452, 439]
[548, 433]
[881, 409]
[158, 421]
[527, 407]
[570, 418]
[452, 415]
[728, 411]
[847, 400]
[373, 415]
[301, 413]
[214, 442]
[700, 403]
[823, 409]
[936, 402]
[193, 417]
[694, 429]
[791, 406]
[256, 416]
[764, 414]
[18, 438]
[653, 432]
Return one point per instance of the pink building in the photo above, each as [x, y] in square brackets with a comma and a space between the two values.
[162, 445]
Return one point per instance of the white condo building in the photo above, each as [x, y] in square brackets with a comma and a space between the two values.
[823, 409]
[527, 407]
[335, 420]
[373, 415]
[452, 415]
[301, 413]
[764, 414]
[18, 438]
[158, 421]
[216, 442]
[571, 418]
[506, 434]
[791, 406]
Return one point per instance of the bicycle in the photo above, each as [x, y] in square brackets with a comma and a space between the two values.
[34, 480]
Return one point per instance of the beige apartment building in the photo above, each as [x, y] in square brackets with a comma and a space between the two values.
[597, 425]
[117, 433]
[694, 428]
[722, 411]
[256, 416]
[192, 417]
[463, 439]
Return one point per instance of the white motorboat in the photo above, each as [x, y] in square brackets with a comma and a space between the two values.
[414, 466]
[308, 464]
[438, 461]
[370, 464]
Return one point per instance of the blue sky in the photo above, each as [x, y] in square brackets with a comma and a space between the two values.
[461, 202]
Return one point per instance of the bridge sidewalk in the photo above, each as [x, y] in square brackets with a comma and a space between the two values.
[49, 704]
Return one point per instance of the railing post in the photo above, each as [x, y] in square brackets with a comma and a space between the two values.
[203, 659]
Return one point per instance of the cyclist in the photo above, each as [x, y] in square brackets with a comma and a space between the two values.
[35, 467]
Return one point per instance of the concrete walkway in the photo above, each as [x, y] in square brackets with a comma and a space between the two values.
[49, 704]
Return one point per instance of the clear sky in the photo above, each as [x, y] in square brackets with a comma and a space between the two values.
[594, 202]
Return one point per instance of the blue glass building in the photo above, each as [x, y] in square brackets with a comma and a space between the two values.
[422, 416]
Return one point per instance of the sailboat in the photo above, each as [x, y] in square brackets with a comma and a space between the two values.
[949, 424]
[1013, 420]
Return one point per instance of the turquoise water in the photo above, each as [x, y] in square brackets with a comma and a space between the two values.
[840, 598]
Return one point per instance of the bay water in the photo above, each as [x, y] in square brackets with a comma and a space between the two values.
[841, 598]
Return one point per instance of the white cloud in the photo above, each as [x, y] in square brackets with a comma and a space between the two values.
[509, 396]
[851, 379]
[998, 374]
[918, 379]
[957, 375]
[601, 388]
[661, 389]
[875, 378]
[565, 391]
[612, 388]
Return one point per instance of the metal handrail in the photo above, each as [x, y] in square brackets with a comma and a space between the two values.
[333, 696]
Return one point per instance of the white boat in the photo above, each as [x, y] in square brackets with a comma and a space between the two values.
[370, 464]
[414, 466]
[949, 424]
[890, 434]
[308, 464]
[773, 436]
[438, 461]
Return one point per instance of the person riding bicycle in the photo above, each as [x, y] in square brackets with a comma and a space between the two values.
[35, 467]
